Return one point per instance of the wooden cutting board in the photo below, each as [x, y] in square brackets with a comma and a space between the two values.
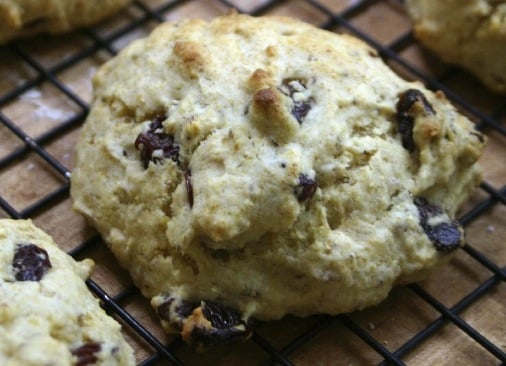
[28, 180]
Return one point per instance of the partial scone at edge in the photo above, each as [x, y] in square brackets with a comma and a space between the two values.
[257, 167]
[22, 18]
[47, 314]
[474, 36]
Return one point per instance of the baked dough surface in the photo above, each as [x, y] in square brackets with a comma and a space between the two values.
[47, 314]
[270, 167]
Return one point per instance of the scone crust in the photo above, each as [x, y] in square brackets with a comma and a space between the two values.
[282, 184]
[51, 318]
[22, 18]
[469, 33]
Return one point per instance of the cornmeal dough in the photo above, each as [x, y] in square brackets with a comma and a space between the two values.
[47, 314]
[21, 18]
[469, 33]
[256, 167]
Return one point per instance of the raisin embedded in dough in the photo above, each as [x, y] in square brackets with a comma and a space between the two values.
[446, 234]
[211, 324]
[87, 353]
[155, 145]
[411, 103]
[204, 324]
[306, 188]
[297, 91]
[30, 262]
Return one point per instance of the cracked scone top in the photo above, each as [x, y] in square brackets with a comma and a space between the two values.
[47, 314]
[255, 167]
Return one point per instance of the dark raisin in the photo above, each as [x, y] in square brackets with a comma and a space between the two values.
[220, 316]
[406, 116]
[189, 186]
[202, 339]
[163, 309]
[300, 110]
[306, 188]
[30, 263]
[426, 210]
[86, 354]
[300, 107]
[227, 327]
[185, 308]
[155, 139]
[175, 311]
[445, 236]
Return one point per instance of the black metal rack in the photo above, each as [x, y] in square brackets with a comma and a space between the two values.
[146, 14]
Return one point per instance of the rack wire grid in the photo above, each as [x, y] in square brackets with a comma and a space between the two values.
[44, 99]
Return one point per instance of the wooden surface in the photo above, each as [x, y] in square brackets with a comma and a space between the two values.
[28, 179]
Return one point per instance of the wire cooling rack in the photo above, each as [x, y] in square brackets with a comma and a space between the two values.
[455, 317]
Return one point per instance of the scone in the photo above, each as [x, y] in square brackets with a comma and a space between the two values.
[256, 167]
[469, 33]
[47, 314]
[21, 18]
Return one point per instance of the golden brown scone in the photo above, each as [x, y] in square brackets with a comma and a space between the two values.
[21, 18]
[257, 167]
[47, 314]
[469, 33]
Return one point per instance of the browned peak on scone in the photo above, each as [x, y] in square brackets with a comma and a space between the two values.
[257, 167]
[47, 314]
[469, 33]
[22, 18]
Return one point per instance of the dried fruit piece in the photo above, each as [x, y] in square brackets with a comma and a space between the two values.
[221, 317]
[175, 311]
[306, 188]
[446, 236]
[155, 145]
[297, 90]
[406, 115]
[211, 324]
[205, 323]
[30, 263]
[86, 354]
